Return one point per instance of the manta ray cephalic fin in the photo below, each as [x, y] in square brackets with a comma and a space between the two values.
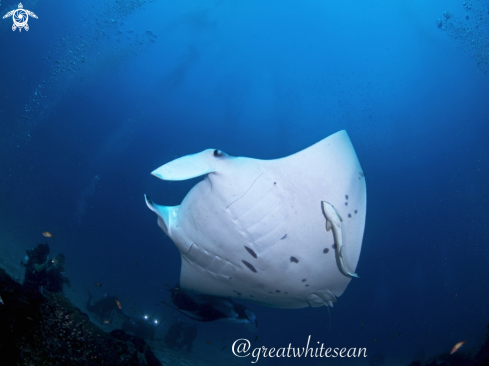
[190, 166]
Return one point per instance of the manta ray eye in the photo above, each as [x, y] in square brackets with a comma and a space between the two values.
[218, 153]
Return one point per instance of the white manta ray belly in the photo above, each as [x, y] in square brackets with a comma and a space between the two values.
[257, 229]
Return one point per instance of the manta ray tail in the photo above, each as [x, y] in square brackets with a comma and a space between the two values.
[329, 328]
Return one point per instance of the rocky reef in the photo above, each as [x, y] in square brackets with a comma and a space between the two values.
[46, 329]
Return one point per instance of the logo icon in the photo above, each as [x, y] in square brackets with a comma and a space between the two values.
[20, 17]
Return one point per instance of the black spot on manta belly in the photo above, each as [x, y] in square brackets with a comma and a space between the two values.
[304, 280]
[349, 215]
[277, 291]
[346, 196]
[325, 250]
[294, 259]
[249, 265]
[333, 246]
[306, 286]
[251, 251]
[283, 237]
[356, 211]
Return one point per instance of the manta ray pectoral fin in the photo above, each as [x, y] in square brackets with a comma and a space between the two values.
[166, 214]
[334, 220]
[190, 166]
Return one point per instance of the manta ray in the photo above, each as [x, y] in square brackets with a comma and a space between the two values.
[284, 233]
[207, 308]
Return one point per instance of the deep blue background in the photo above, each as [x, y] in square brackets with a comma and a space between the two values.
[123, 90]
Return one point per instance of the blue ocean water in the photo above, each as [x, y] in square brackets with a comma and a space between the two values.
[96, 95]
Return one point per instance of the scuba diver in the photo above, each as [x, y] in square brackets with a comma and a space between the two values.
[189, 335]
[144, 327]
[42, 272]
[206, 308]
[104, 307]
[37, 263]
[56, 276]
[175, 332]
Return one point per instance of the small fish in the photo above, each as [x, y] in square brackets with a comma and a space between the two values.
[1, 300]
[399, 334]
[457, 346]
[120, 316]
[388, 336]
[119, 305]
[455, 296]
[361, 326]
[47, 234]
[255, 339]
[126, 300]
[136, 263]
[223, 339]
[97, 284]
[376, 341]
[107, 322]
[209, 343]
[30, 319]
[394, 335]
[223, 348]
[133, 310]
